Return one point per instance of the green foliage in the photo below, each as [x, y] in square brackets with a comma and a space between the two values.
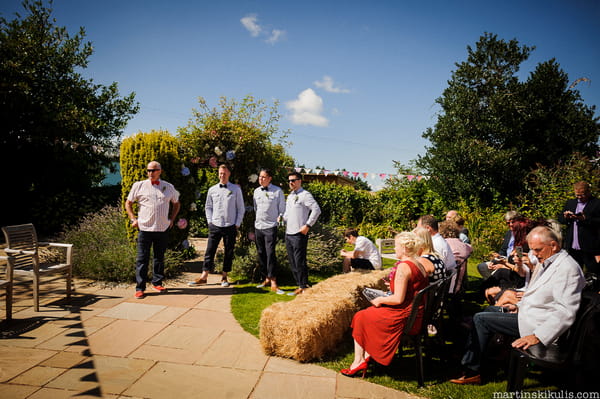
[324, 245]
[243, 134]
[340, 205]
[49, 212]
[402, 202]
[547, 188]
[54, 122]
[103, 252]
[493, 129]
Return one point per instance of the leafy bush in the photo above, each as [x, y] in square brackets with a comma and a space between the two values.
[101, 250]
[323, 258]
[340, 205]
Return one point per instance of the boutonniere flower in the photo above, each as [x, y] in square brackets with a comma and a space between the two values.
[296, 199]
[164, 188]
[267, 194]
[229, 193]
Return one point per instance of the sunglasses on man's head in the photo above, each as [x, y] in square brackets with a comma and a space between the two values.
[152, 170]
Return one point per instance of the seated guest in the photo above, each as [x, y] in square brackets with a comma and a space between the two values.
[460, 221]
[377, 330]
[546, 310]
[512, 273]
[450, 231]
[461, 250]
[486, 268]
[431, 260]
[365, 254]
[441, 246]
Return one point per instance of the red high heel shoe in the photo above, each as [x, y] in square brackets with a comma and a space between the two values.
[352, 372]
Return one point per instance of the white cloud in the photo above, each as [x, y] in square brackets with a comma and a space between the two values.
[276, 35]
[327, 85]
[307, 109]
[249, 22]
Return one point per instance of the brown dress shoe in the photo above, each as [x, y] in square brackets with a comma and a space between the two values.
[464, 380]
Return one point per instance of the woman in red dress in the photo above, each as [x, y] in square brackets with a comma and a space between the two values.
[377, 329]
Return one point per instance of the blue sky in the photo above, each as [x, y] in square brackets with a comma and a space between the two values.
[356, 80]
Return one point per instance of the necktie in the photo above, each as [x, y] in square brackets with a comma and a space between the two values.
[223, 185]
[155, 182]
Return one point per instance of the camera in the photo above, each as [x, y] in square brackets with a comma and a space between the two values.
[499, 259]
[519, 251]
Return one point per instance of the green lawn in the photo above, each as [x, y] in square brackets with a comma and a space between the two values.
[248, 302]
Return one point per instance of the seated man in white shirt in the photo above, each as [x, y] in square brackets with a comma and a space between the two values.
[365, 254]
[440, 245]
[546, 310]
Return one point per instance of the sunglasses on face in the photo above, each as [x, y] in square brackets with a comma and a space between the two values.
[152, 170]
[292, 180]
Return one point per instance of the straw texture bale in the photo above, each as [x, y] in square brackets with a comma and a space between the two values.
[314, 323]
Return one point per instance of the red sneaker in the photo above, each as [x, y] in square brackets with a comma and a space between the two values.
[139, 294]
[159, 288]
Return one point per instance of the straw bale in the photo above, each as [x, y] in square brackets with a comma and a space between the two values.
[315, 323]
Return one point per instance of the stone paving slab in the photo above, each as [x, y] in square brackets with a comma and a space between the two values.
[132, 311]
[194, 382]
[14, 360]
[183, 344]
[122, 337]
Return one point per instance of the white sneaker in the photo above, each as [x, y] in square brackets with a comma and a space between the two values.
[224, 284]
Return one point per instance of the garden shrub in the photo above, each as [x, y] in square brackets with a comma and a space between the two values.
[102, 251]
[340, 205]
[324, 245]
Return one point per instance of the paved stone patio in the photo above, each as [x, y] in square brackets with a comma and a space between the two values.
[182, 344]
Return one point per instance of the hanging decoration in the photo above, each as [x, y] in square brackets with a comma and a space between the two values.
[365, 175]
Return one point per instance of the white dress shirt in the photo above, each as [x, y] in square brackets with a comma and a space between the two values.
[301, 208]
[224, 205]
[153, 200]
[269, 204]
[442, 247]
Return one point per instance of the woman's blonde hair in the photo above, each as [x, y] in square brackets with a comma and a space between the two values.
[411, 243]
[425, 236]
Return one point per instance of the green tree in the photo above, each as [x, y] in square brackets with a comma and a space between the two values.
[59, 131]
[245, 135]
[493, 129]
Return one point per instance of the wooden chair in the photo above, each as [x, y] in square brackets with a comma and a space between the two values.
[7, 284]
[427, 302]
[23, 245]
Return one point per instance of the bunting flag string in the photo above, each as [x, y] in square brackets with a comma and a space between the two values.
[365, 175]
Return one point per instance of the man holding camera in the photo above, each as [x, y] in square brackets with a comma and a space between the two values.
[581, 215]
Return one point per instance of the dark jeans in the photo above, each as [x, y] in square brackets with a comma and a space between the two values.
[158, 240]
[485, 325]
[266, 240]
[585, 258]
[215, 234]
[296, 245]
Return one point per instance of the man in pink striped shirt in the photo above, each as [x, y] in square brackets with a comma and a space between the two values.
[154, 197]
